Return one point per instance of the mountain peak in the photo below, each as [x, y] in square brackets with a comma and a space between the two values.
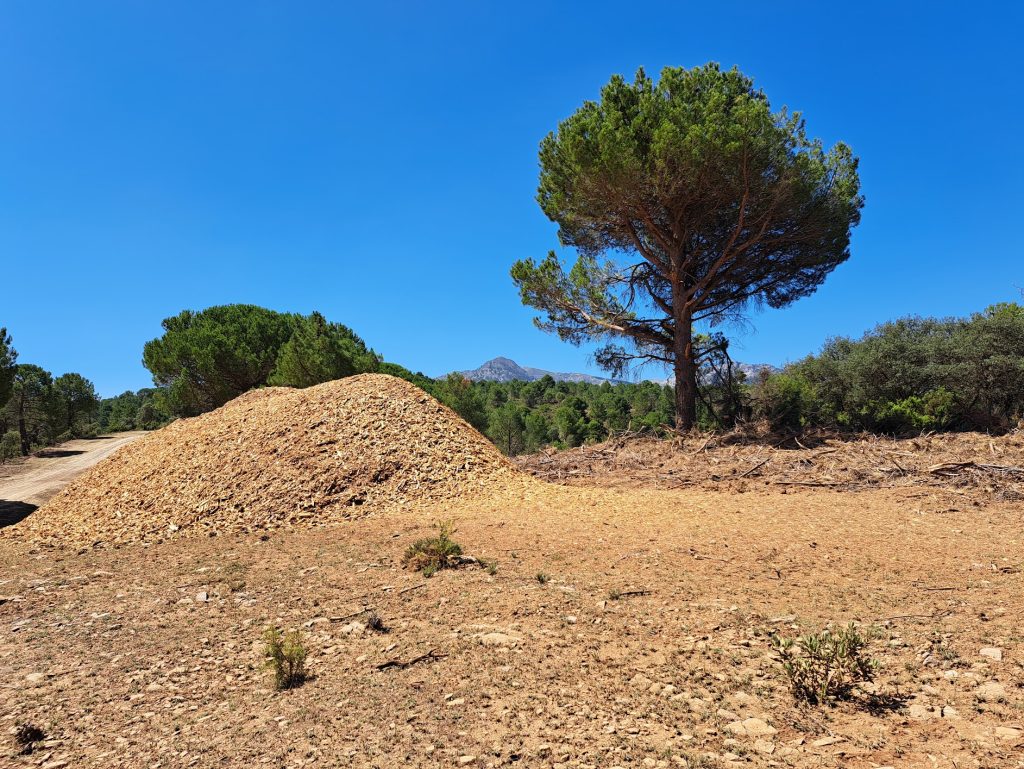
[502, 369]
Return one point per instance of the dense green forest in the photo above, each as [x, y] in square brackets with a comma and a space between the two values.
[902, 377]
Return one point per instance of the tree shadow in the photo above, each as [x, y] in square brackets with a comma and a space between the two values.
[57, 453]
[11, 512]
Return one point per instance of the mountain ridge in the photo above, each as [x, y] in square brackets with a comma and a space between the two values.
[502, 369]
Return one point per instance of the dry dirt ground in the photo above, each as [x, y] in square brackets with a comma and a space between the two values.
[150, 655]
[26, 484]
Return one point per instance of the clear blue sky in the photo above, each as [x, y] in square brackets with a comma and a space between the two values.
[377, 162]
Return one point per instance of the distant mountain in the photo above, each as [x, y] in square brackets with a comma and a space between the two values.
[507, 370]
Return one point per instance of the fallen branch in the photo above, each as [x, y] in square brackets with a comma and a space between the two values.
[752, 469]
[399, 664]
[627, 593]
[701, 557]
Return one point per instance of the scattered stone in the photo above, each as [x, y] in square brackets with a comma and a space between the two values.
[992, 652]
[202, 597]
[352, 628]
[751, 727]
[466, 760]
[1008, 733]
[824, 742]
[35, 679]
[920, 712]
[990, 692]
[948, 711]
[764, 746]
[499, 639]
[640, 681]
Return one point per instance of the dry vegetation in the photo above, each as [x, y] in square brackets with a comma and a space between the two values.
[648, 643]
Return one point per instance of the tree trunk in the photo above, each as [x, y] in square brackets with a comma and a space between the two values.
[685, 370]
[26, 446]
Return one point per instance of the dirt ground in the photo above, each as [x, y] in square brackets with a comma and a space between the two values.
[644, 644]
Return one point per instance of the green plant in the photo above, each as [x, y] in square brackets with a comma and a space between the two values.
[491, 567]
[542, 578]
[10, 446]
[432, 554]
[287, 656]
[823, 667]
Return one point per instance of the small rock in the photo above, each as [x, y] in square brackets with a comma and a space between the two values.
[992, 652]
[1007, 733]
[920, 712]
[570, 619]
[640, 681]
[352, 628]
[466, 760]
[948, 711]
[499, 639]
[824, 742]
[751, 727]
[763, 746]
[34, 679]
[990, 692]
[202, 597]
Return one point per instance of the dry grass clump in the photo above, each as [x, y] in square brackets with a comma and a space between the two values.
[824, 667]
[286, 656]
[431, 554]
[26, 736]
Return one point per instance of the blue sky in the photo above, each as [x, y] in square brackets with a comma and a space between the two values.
[377, 162]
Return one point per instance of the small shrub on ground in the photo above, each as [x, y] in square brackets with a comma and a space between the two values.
[823, 667]
[432, 554]
[287, 656]
[490, 566]
[26, 736]
[542, 578]
[10, 446]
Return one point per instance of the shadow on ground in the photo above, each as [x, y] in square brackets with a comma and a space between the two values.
[57, 453]
[12, 512]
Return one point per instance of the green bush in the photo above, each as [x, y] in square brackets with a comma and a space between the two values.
[432, 554]
[785, 400]
[286, 656]
[823, 667]
[932, 411]
[10, 446]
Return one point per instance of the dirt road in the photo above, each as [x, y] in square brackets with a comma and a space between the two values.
[29, 485]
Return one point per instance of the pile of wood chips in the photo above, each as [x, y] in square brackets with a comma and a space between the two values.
[275, 457]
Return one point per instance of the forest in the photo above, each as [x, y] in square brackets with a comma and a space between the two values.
[902, 377]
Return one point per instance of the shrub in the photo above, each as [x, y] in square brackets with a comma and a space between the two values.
[26, 736]
[823, 667]
[542, 578]
[785, 400]
[287, 656]
[432, 554]
[10, 446]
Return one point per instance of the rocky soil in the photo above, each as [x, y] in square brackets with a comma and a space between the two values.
[625, 627]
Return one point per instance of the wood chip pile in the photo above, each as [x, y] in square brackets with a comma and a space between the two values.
[275, 457]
